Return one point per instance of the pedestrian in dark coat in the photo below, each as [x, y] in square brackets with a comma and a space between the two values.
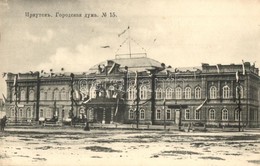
[3, 123]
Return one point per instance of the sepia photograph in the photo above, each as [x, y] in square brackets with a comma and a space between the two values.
[129, 83]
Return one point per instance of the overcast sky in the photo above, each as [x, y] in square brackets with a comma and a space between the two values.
[177, 33]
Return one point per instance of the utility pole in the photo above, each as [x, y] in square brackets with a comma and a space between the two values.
[71, 97]
[164, 115]
[16, 96]
[37, 96]
[137, 100]
[239, 104]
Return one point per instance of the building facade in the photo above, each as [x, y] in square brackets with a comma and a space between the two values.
[139, 90]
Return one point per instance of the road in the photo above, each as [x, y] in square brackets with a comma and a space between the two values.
[73, 146]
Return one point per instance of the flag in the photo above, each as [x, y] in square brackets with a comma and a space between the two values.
[117, 106]
[217, 68]
[237, 76]
[243, 67]
[123, 31]
[111, 69]
[201, 105]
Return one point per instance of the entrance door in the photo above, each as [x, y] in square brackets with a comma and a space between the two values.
[99, 115]
[177, 117]
[108, 115]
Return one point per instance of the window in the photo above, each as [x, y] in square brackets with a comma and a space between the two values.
[56, 95]
[158, 114]
[131, 114]
[168, 114]
[197, 93]
[187, 93]
[48, 113]
[187, 114]
[92, 92]
[23, 95]
[159, 93]
[63, 94]
[224, 114]
[197, 114]
[213, 92]
[131, 93]
[42, 95]
[12, 112]
[178, 93]
[142, 116]
[226, 92]
[236, 115]
[169, 93]
[49, 95]
[31, 95]
[41, 113]
[241, 92]
[211, 114]
[143, 92]
[20, 112]
[29, 113]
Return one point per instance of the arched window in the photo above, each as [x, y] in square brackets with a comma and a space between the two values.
[226, 92]
[131, 114]
[41, 113]
[197, 93]
[237, 115]
[31, 95]
[142, 114]
[211, 114]
[63, 94]
[197, 114]
[49, 94]
[241, 91]
[178, 93]
[56, 94]
[28, 113]
[158, 114]
[23, 95]
[187, 93]
[213, 92]
[20, 113]
[43, 95]
[224, 114]
[12, 112]
[159, 93]
[131, 93]
[143, 92]
[92, 92]
[169, 93]
[187, 114]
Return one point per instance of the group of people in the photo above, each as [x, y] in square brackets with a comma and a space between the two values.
[3, 123]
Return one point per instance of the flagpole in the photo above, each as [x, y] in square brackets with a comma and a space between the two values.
[129, 41]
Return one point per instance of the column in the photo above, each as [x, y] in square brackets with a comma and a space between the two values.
[104, 116]
[112, 115]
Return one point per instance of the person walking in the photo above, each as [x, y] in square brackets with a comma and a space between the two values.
[3, 123]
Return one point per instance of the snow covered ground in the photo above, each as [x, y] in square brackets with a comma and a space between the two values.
[127, 147]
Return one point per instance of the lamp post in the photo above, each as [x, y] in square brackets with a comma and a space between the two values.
[239, 102]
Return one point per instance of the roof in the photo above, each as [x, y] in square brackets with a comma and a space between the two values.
[139, 63]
